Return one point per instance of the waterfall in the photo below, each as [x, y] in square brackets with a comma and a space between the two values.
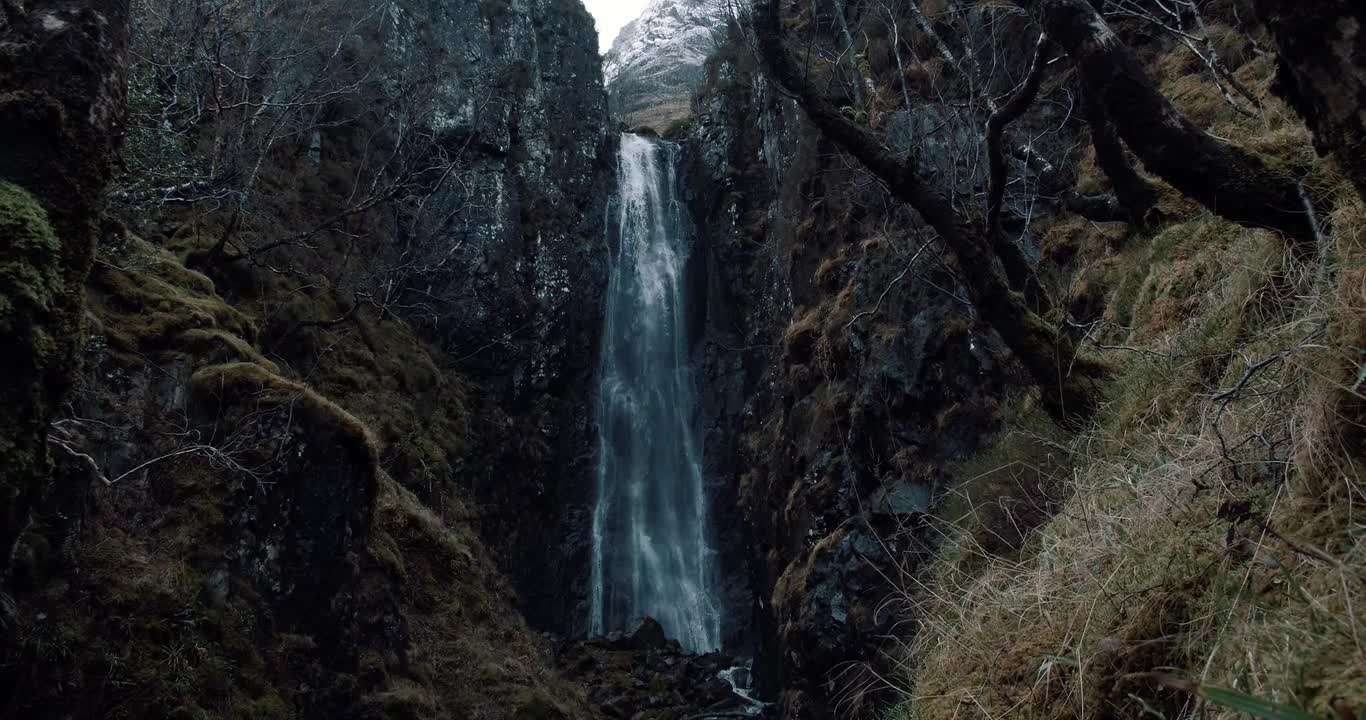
[651, 555]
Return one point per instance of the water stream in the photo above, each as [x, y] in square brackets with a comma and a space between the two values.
[651, 555]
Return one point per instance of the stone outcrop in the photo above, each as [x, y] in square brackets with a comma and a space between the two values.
[63, 72]
[641, 675]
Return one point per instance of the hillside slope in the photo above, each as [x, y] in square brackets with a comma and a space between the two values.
[922, 535]
[271, 480]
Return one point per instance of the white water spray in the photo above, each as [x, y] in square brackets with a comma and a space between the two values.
[650, 541]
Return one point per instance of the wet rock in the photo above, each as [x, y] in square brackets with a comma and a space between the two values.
[648, 634]
[638, 676]
[902, 497]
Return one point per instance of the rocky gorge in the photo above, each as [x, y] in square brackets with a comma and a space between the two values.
[853, 359]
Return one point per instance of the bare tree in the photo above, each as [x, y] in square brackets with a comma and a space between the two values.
[226, 95]
[226, 453]
[1016, 265]
[1136, 196]
[1123, 103]
[216, 85]
[1183, 20]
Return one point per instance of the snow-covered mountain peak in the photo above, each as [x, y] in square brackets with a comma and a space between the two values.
[657, 59]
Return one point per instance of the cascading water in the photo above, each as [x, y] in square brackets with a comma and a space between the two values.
[651, 556]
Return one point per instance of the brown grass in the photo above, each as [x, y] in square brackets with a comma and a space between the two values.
[661, 116]
[1193, 531]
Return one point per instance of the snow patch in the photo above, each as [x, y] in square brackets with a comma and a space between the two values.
[669, 34]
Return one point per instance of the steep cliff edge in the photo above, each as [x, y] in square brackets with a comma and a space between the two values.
[522, 285]
[302, 384]
[330, 421]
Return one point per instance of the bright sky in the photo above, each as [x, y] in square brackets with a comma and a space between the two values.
[611, 15]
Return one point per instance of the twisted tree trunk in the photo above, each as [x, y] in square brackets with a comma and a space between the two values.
[1224, 178]
[62, 102]
[1322, 73]
[1018, 269]
[1137, 197]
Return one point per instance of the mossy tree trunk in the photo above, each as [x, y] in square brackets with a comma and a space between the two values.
[1050, 357]
[1322, 72]
[1228, 180]
[62, 101]
[1136, 196]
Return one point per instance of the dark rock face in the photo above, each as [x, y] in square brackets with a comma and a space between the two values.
[522, 290]
[297, 536]
[845, 374]
[744, 298]
[274, 542]
[63, 69]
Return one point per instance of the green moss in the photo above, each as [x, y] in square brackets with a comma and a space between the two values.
[218, 346]
[28, 267]
[474, 656]
[1200, 290]
[1013, 487]
[30, 284]
[387, 552]
[252, 384]
[135, 634]
[148, 304]
[36, 335]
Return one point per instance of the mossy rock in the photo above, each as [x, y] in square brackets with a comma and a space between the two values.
[250, 385]
[219, 346]
[147, 302]
[31, 322]
[30, 277]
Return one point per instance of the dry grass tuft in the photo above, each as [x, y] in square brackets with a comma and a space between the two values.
[1333, 418]
[1208, 525]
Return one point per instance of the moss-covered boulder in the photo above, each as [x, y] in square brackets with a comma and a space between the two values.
[31, 284]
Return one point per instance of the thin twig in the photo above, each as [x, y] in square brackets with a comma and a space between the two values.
[889, 287]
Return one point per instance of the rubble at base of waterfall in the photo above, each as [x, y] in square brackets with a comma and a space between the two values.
[643, 675]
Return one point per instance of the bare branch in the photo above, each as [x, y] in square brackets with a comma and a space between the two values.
[1046, 353]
